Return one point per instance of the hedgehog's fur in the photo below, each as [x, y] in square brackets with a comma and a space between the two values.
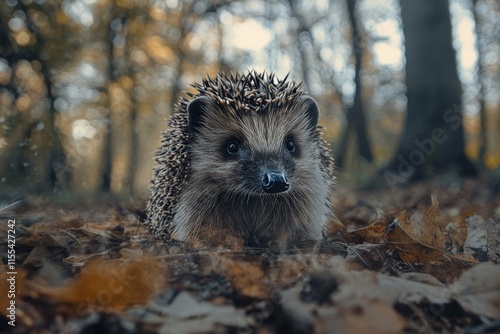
[233, 98]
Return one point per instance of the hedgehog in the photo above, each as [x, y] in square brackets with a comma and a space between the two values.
[243, 157]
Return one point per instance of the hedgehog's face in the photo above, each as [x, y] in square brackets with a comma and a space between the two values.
[254, 153]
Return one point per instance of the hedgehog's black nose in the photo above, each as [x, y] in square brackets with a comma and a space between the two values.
[274, 182]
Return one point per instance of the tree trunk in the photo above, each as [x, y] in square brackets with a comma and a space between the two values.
[134, 149]
[355, 115]
[107, 141]
[113, 75]
[433, 136]
[59, 171]
[482, 104]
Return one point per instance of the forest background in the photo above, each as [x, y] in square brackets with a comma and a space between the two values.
[407, 90]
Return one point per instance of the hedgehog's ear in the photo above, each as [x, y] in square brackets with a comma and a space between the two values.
[312, 112]
[196, 109]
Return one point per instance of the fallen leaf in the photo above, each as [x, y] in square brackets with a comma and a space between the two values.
[185, 306]
[457, 233]
[375, 232]
[478, 290]
[418, 239]
[389, 232]
[359, 286]
[476, 240]
[247, 278]
[38, 255]
[366, 256]
[410, 249]
[493, 240]
[102, 230]
[111, 285]
[371, 316]
[335, 226]
[427, 229]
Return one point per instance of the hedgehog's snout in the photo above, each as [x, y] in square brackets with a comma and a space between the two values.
[275, 182]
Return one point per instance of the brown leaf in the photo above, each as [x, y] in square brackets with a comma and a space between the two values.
[50, 233]
[111, 285]
[247, 278]
[457, 232]
[372, 316]
[419, 239]
[335, 226]
[389, 231]
[366, 256]
[427, 229]
[375, 232]
[410, 249]
[101, 229]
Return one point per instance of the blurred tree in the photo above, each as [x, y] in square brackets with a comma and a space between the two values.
[303, 40]
[114, 27]
[35, 159]
[355, 114]
[481, 96]
[184, 23]
[122, 107]
[433, 137]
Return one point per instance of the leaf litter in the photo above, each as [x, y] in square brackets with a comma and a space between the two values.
[418, 266]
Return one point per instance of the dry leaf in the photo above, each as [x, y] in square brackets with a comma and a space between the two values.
[38, 255]
[427, 229]
[493, 240]
[375, 232]
[478, 290]
[335, 226]
[98, 229]
[476, 237]
[410, 250]
[111, 285]
[457, 233]
[187, 315]
[419, 239]
[247, 278]
[371, 316]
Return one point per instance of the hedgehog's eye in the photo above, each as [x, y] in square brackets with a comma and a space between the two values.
[290, 145]
[232, 147]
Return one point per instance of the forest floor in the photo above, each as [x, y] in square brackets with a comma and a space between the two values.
[419, 259]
